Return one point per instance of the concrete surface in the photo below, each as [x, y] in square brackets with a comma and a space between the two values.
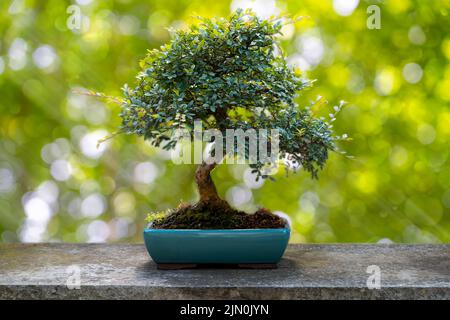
[125, 271]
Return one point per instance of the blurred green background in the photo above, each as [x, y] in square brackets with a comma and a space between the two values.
[56, 186]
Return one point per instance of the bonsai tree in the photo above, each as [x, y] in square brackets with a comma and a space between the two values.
[228, 74]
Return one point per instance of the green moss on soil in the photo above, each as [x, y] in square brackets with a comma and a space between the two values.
[188, 216]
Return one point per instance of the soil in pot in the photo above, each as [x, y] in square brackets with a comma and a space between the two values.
[215, 216]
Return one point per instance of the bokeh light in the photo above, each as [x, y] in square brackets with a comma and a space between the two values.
[58, 184]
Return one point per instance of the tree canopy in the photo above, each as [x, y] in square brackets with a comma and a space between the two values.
[230, 74]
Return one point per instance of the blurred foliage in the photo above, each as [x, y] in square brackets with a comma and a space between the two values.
[56, 186]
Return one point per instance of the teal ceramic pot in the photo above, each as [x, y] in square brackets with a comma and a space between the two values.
[224, 246]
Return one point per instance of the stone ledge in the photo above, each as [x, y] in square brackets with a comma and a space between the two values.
[125, 271]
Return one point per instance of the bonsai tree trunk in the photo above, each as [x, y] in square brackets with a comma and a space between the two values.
[206, 187]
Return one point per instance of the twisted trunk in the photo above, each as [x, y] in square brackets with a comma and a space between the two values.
[206, 187]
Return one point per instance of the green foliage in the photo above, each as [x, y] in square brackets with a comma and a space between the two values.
[155, 216]
[226, 73]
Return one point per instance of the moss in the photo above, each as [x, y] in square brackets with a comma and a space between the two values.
[207, 216]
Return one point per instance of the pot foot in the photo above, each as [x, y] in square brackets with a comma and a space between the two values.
[180, 266]
[257, 266]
